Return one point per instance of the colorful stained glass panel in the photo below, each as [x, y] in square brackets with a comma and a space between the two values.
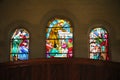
[99, 44]
[19, 45]
[59, 39]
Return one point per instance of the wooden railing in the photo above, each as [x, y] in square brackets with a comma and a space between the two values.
[60, 69]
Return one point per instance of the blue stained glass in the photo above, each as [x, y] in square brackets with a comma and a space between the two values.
[22, 56]
[55, 22]
[66, 25]
[51, 25]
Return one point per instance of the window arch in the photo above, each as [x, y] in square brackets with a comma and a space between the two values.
[19, 45]
[99, 44]
[59, 39]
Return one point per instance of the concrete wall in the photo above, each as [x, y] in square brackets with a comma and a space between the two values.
[33, 15]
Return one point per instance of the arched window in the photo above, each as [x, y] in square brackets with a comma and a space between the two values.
[19, 45]
[99, 44]
[59, 39]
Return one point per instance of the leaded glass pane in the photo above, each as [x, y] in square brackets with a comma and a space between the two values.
[59, 39]
[99, 44]
[19, 45]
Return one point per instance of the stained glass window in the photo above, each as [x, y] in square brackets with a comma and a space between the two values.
[19, 46]
[59, 39]
[99, 44]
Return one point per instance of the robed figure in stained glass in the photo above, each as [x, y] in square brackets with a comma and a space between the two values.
[59, 39]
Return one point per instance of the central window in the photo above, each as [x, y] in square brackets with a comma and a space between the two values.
[59, 39]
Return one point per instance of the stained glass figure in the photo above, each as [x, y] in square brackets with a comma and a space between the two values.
[59, 39]
[99, 44]
[19, 45]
